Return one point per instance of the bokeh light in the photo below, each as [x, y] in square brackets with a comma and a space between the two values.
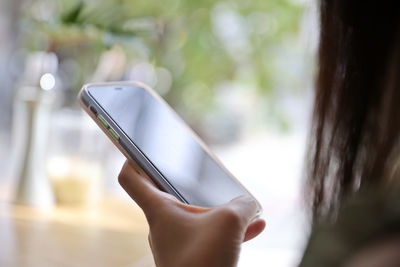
[47, 81]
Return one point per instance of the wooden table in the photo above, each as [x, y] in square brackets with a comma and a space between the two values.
[112, 233]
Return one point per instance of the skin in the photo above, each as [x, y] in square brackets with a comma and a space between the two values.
[182, 235]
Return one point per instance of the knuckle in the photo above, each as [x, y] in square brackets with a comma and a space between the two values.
[232, 217]
[122, 178]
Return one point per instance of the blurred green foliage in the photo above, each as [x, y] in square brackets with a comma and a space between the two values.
[201, 43]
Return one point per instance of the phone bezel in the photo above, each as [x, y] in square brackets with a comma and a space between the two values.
[129, 148]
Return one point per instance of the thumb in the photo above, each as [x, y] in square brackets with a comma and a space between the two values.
[139, 186]
[245, 207]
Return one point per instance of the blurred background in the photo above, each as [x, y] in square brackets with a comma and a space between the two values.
[239, 72]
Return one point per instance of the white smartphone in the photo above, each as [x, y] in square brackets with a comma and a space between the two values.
[147, 131]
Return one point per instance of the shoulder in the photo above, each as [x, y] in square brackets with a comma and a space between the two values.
[369, 220]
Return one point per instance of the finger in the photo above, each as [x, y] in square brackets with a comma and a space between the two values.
[245, 207]
[254, 229]
[139, 186]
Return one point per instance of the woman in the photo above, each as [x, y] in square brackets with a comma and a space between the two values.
[354, 147]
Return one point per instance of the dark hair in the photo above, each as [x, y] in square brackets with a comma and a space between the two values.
[354, 140]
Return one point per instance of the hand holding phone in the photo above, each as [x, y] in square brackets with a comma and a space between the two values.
[183, 235]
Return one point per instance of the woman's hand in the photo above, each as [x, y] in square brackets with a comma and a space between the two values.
[183, 235]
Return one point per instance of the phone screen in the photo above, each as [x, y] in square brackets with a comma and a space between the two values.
[168, 145]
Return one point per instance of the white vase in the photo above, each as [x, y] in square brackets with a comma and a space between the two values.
[30, 132]
[32, 117]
